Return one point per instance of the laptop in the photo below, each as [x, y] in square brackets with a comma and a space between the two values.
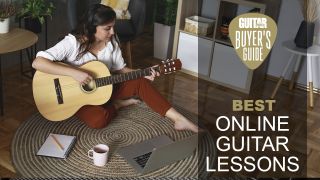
[157, 152]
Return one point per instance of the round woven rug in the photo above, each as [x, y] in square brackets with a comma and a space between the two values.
[133, 124]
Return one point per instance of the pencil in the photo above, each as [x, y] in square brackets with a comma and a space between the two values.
[57, 142]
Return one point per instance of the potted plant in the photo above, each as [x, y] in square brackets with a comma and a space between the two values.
[7, 9]
[310, 11]
[165, 20]
[34, 13]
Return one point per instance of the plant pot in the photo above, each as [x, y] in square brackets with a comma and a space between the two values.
[4, 25]
[163, 41]
[304, 37]
[33, 24]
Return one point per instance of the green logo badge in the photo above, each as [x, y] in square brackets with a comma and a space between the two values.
[252, 35]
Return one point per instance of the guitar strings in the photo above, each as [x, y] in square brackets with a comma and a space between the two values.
[69, 86]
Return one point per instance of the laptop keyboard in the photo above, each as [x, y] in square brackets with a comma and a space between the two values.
[142, 159]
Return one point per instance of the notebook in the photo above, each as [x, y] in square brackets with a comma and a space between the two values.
[57, 145]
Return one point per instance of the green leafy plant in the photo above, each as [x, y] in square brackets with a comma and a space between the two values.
[166, 12]
[36, 9]
[7, 9]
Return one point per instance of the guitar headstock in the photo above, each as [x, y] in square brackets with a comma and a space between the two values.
[169, 66]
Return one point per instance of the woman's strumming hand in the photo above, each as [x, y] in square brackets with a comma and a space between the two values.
[82, 77]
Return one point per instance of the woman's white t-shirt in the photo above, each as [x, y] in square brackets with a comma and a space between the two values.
[68, 49]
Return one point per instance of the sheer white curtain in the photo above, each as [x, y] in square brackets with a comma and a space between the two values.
[316, 63]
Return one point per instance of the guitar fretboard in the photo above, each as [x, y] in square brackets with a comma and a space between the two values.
[118, 78]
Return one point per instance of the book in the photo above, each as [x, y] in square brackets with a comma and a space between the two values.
[57, 145]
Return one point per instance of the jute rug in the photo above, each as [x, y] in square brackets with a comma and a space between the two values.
[133, 124]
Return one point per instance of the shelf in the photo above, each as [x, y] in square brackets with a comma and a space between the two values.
[208, 37]
[214, 53]
[224, 42]
[248, 3]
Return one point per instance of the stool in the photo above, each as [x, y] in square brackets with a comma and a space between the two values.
[311, 53]
[16, 40]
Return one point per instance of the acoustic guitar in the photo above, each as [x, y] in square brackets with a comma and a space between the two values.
[59, 97]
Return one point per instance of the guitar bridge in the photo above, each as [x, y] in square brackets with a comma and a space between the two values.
[58, 91]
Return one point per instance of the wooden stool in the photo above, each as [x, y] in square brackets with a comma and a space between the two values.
[16, 40]
[311, 53]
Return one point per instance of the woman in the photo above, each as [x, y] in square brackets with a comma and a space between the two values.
[94, 39]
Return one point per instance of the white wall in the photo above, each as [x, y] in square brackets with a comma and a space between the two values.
[317, 33]
[316, 68]
[289, 21]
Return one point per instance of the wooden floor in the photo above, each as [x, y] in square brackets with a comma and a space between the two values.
[181, 89]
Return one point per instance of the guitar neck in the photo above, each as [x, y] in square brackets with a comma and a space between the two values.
[118, 78]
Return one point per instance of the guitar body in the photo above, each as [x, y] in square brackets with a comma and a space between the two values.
[59, 97]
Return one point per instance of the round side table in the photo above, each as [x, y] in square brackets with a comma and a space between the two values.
[311, 53]
[15, 40]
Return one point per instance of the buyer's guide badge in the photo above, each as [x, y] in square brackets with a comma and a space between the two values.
[252, 35]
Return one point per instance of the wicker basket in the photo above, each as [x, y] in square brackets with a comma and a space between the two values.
[199, 25]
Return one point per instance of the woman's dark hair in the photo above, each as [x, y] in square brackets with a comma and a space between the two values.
[96, 15]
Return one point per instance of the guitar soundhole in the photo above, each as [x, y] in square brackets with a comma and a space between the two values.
[89, 88]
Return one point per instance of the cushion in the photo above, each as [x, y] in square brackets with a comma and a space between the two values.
[120, 7]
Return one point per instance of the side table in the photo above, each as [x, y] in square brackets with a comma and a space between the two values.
[311, 53]
[15, 40]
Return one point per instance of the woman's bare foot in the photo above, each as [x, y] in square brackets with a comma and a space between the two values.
[127, 102]
[181, 122]
[186, 125]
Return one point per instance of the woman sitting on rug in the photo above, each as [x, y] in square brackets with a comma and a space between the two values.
[94, 39]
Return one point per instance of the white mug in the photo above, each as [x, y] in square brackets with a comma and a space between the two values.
[99, 154]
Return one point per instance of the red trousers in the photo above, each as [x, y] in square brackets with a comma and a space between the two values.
[99, 116]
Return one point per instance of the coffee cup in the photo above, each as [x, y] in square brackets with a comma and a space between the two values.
[99, 154]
